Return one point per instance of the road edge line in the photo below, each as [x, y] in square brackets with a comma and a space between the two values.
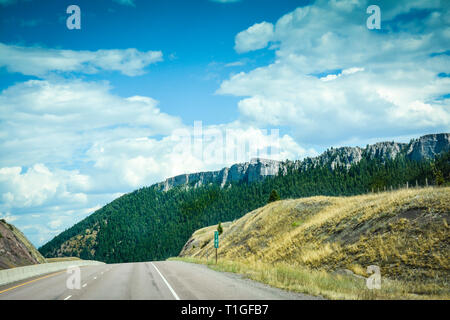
[31, 281]
[167, 283]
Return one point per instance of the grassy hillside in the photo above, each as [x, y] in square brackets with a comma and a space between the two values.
[301, 244]
[15, 249]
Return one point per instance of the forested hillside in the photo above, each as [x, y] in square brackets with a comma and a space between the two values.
[149, 224]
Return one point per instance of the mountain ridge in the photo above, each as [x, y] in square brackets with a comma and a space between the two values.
[424, 147]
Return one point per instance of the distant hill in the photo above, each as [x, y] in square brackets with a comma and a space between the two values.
[155, 222]
[15, 249]
[403, 232]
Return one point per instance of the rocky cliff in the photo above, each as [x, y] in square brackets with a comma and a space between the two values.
[425, 147]
[15, 249]
[255, 170]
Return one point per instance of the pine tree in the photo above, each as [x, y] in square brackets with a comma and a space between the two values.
[219, 228]
[274, 196]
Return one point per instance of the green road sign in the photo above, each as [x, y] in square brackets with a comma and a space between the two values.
[216, 239]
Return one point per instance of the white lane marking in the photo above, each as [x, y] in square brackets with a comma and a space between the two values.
[67, 298]
[84, 285]
[167, 284]
[95, 278]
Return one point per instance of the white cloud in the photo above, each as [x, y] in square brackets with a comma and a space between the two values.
[56, 223]
[254, 38]
[348, 71]
[52, 121]
[388, 85]
[40, 62]
[39, 185]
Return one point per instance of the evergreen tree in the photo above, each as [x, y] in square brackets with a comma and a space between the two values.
[273, 196]
[219, 228]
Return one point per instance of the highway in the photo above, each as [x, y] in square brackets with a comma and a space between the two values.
[162, 280]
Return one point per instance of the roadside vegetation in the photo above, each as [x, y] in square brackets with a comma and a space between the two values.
[62, 259]
[323, 245]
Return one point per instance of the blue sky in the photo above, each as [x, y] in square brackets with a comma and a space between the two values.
[198, 53]
[87, 115]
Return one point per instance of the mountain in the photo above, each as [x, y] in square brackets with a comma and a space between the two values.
[403, 232]
[15, 249]
[154, 222]
[253, 171]
[426, 147]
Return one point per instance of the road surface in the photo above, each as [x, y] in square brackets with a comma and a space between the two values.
[164, 280]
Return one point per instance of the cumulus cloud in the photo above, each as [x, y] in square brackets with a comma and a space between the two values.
[52, 121]
[332, 76]
[254, 38]
[40, 62]
[38, 185]
[387, 82]
[116, 143]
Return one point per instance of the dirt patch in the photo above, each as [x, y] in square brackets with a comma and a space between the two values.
[412, 213]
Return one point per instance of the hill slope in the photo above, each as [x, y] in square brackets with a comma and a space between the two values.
[405, 233]
[152, 224]
[15, 249]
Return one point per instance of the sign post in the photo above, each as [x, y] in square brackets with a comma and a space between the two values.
[216, 242]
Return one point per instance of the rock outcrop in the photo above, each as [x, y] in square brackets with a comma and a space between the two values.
[428, 146]
[255, 170]
[425, 147]
[15, 249]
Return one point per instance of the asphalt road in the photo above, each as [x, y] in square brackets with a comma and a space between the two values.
[164, 280]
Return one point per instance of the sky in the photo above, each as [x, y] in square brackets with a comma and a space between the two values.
[146, 90]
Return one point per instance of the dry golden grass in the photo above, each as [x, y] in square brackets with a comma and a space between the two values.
[62, 259]
[405, 233]
[318, 282]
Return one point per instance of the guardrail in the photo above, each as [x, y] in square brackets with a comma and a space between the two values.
[16, 274]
